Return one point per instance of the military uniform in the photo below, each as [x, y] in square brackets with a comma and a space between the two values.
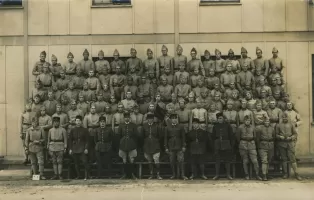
[195, 64]
[276, 62]
[86, 65]
[219, 64]
[117, 83]
[62, 84]
[133, 89]
[194, 80]
[38, 66]
[178, 60]
[55, 70]
[101, 66]
[72, 94]
[165, 92]
[227, 78]
[91, 122]
[260, 117]
[262, 65]
[184, 118]
[88, 95]
[245, 112]
[70, 68]
[64, 119]
[151, 65]
[182, 90]
[245, 78]
[50, 106]
[26, 123]
[275, 115]
[180, 74]
[137, 62]
[104, 79]
[84, 107]
[232, 117]
[93, 84]
[116, 63]
[208, 64]
[46, 79]
[211, 81]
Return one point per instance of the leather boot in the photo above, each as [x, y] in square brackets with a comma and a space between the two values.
[217, 168]
[295, 170]
[182, 172]
[173, 169]
[246, 171]
[285, 170]
[158, 171]
[60, 168]
[86, 175]
[256, 169]
[55, 170]
[133, 172]
[227, 165]
[193, 171]
[77, 169]
[178, 170]
[41, 172]
[151, 167]
[202, 167]
[34, 169]
[125, 171]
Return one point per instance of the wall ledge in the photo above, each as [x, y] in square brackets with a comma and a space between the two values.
[112, 6]
[11, 7]
[220, 4]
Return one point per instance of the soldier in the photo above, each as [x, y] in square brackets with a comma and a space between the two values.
[261, 87]
[244, 78]
[223, 142]
[219, 63]
[235, 65]
[197, 140]
[174, 103]
[200, 88]
[88, 95]
[78, 147]
[103, 140]
[150, 110]
[179, 59]
[71, 92]
[184, 115]
[208, 63]
[93, 82]
[198, 113]
[128, 146]
[275, 74]
[118, 118]
[134, 61]
[165, 60]
[117, 62]
[37, 69]
[55, 68]
[211, 118]
[259, 115]
[86, 64]
[62, 82]
[39, 90]
[65, 101]
[175, 146]
[34, 147]
[260, 63]
[183, 89]
[128, 102]
[108, 115]
[152, 135]
[191, 101]
[26, 123]
[78, 80]
[218, 102]
[275, 61]
[143, 104]
[212, 79]
[251, 103]
[181, 73]
[36, 105]
[50, 104]
[165, 90]
[246, 137]
[258, 77]
[117, 83]
[57, 145]
[104, 76]
[64, 119]
[137, 119]
[217, 90]
[135, 76]
[236, 101]
[264, 99]
[287, 135]
[101, 64]
[274, 113]
[70, 67]
[130, 87]
[100, 104]
[56, 93]
[45, 77]
[245, 60]
[195, 77]
[265, 137]
[245, 112]
[227, 77]
[113, 104]
[106, 93]
[44, 121]
[231, 116]
[168, 75]
[72, 115]
[229, 91]
[293, 116]
[151, 64]
[195, 63]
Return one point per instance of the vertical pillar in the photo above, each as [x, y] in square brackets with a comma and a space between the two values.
[176, 23]
[25, 44]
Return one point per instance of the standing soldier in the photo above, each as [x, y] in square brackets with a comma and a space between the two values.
[50, 104]
[231, 116]
[34, 147]
[70, 66]
[235, 65]
[57, 145]
[195, 63]
[197, 140]
[26, 123]
[175, 146]
[100, 104]
[245, 112]
[179, 59]
[265, 138]
[152, 135]
[118, 118]
[223, 142]
[151, 64]
[82, 105]
[44, 121]
[212, 79]
[86, 64]
[199, 113]
[259, 115]
[211, 118]
[183, 89]
[101, 64]
[274, 113]
[245, 60]
[134, 61]
[219, 63]
[165, 60]
[104, 76]
[55, 68]
[128, 146]
[39, 90]
[137, 119]
[180, 73]
[78, 147]
[72, 115]
[64, 119]
[184, 115]
[293, 116]
[275, 61]
[287, 135]
[130, 87]
[260, 63]
[103, 140]
[117, 62]
[93, 82]
[38, 67]
[246, 137]
[71, 92]
[244, 78]
[168, 75]
[45, 77]
[208, 63]
[117, 83]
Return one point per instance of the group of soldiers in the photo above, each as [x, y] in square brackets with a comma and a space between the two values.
[91, 110]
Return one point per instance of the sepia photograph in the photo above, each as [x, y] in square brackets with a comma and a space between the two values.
[156, 99]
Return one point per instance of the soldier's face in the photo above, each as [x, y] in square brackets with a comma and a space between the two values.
[200, 83]
[179, 51]
[100, 98]
[37, 100]
[229, 68]
[231, 55]
[193, 54]
[81, 98]
[243, 105]
[45, 69]
[150, 121]
[278, 81]
[235, 95]
[133, 53]
[229, 106]
[248, 95]
[56, 123]
[100, 56]
[70, 58]
[105, 87]
[62, 75]
[167, 70]
[217, 98]
[259, 54]
[211, 72]
[196, 71]
[164, 81]
[28, 107]
[244, 68]
[93, 109]
[204, 94]
[71, 86]
[212, 108]
[42, 57]
[103, 123]
[78, 122]
[158, 97]
[220, 119]
[164, 51]
[263, 94]
[50, 95]
[43, 112]
[267, 123]
[289, 106]
[216, 86]
[284, 119]
[195, 125]
[132, 69]
[128, 95]
[91, 73]
[247, 122]
[272, 104]
[182, 67]
[85, 55]
[181, 104]
[232, 86]
[258, 72]
[244, 54]
[116, 56]
[59, 109]
[118, 70]
[174, 98]
[54, 61]
[182, 80]
[120, 109]
[199, 104]
[150, 54]
[112, 99]
[207, 56]
[107, 110]
[136, 110]
[275, 54]
[170, 110]
[151, 108]
[191, 99]
[258, 106]
[127, 119]
[35, 123]
[218, 55]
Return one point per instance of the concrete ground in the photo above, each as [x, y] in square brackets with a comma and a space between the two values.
[15, 185]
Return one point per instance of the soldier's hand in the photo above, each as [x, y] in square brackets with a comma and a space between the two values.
[26, 152]
[167, 151]
[183, 149]
[70, 152]
[86, 151]
[282, 137]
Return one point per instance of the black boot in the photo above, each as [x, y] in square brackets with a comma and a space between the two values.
[125, 171]
[183, 172]
[227, 165]
[158, 172]
[193, 171]
[133, 172]
[217, 168]
[202, 167]
[77, 169]
[173, 169]
[285, 170]
[151, 167]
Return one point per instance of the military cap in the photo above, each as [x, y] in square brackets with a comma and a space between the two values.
[272, 99]
[42, 108]
[229, 63]
[195, 120]
[79, 117]
[34, 119]
[43, 53]
[149, 50]
[70, 54]
[230, 51]
[132, 49]
[230, 102]
[37, 96]
[179, 47]
[217, 51]
[102, 118]
[73, 101]
[243, 50]
[181, 100]
[258, 102]
[284, 115]
[193, 50]
[164, 47]
[53, 57]
[101, 53]
[116, 52]
[120, 104]
[56, 119]
[258, 49]
[191, 94]
[247, 117]
[85, 52]
[206, 52]
[126, 115]
[275, 50]
[219, 115]
[92, 105]
[150, 116]
[173, 116]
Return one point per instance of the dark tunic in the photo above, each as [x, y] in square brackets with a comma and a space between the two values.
[103, 139]
[223, 138]
[128, 134]
[78, 139]
[198, 139]
[175, 137]
[152, 135]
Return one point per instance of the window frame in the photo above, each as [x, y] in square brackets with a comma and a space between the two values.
[110, 5]
[219, 2]
[21, 6]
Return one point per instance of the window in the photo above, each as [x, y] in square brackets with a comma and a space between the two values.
[10, 3]
[218, 1]
[111, 2]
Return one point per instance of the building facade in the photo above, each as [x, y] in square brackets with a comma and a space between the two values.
[60, 26]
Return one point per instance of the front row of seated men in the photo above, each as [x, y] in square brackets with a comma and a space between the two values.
[84, 143]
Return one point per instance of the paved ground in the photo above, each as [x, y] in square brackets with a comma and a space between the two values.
[17, 187]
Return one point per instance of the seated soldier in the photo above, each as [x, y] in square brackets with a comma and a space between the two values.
[199, 113]
[181, 73]
[183, 89]
[165, 90]
[100, 104]
[71, 92]
[128, 102]
[195, 77]
[130, 87]
[184, 115]
[168, 75]
[118, 118]
[212, 79]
